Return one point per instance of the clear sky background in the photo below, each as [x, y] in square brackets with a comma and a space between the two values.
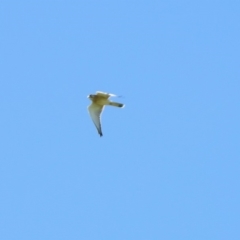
[167, 166]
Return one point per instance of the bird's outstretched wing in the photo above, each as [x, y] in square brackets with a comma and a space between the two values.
[105, 95]
[95, 112]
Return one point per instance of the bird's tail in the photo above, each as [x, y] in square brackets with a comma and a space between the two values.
[115, 104]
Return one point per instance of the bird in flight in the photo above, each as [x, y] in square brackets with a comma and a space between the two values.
[99, 100]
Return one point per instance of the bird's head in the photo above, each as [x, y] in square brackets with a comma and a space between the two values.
[91, 96]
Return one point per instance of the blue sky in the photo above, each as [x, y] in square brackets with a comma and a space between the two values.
[167, 166]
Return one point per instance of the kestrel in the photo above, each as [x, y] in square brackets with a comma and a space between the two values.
[99, 100]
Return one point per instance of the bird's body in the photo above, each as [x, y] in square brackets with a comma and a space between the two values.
[99, 100]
